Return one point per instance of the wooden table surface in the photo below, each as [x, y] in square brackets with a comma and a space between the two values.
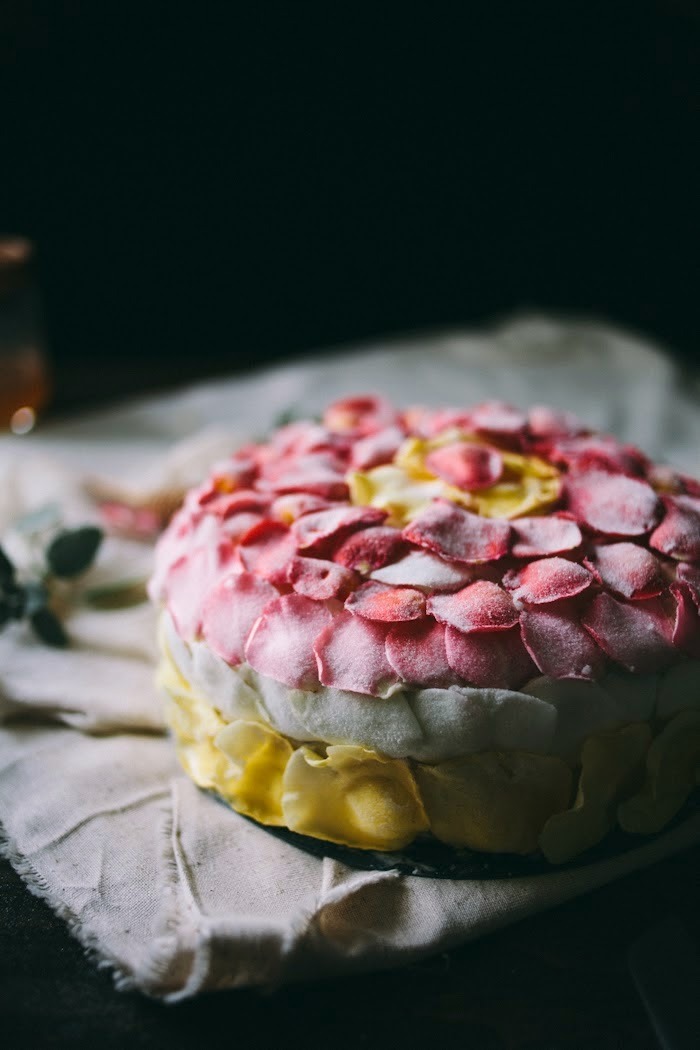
[557, 981]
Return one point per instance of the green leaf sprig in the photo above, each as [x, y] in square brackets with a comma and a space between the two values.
[69, 553]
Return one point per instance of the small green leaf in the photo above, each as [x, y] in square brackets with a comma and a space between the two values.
[119, 595]
[48, 627]
[73, 550]
[35, 598]
[7, 569]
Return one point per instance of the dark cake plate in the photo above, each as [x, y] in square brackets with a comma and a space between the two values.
[430, 859]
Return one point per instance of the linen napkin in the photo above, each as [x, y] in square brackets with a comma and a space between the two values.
[160, 881]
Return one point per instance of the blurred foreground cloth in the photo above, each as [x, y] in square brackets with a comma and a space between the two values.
[161, 882]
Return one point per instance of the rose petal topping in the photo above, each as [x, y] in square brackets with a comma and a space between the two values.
[597, 452]
[686, 628]
[230, 610]
[370, 548]
[427, 571]
[466, 466]
[359, 416]
[351, 655]
[547, 580]
[320, 579]
[416, 651]
[189, 581]
[482, 606]
[496, 660]
[535, 537]
[690, 574]
[446, 529]
[613, 503]
[637, 635]
[376, 449]
[496, 417]
[558, 644]
[312, 531]
[629, 570]
[678, 535]
[238, 525]
[544, 421]
[267, 549]
[378, 601]
[292, 505]
[281, 643]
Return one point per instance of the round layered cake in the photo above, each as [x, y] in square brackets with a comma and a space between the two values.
[480, 625]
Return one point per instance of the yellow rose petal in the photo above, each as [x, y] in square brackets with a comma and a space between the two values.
[494, 801]
[354, 797]
[257, 758]
[672, 769]
[612, 765]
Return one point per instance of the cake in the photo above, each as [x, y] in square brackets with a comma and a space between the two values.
[480, 625]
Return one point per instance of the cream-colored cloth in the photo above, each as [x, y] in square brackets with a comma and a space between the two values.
[161, 882]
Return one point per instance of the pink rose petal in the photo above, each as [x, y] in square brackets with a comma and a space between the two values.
[312, 531]
[320, 579]
[678, 535]
[534, 537]
[466, 466]
[370, 548]
[544, 421]
[497, 660]
[230, 610]
[319, 474]
[636, 635]
[238, 525]
[351, 655]
[599, 452]
[629, 570]
[613, 503]
[547, 580]
[281, 644]
[359, 416]
[496, 417]
[686, 628]
[378, 601]
[454, 533]
[376, 449]
[481, 606]
[558, 644]
[189, 581]
[690, 574]
[416, 651]
[267, 549]
[293, 505]
[425, 571]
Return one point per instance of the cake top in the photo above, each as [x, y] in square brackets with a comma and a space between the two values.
[380, 549]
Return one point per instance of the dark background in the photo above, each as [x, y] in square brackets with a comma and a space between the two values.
[213, 186]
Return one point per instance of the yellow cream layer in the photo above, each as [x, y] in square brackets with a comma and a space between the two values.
[638, 775]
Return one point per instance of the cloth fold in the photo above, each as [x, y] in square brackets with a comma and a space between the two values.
[163, 883]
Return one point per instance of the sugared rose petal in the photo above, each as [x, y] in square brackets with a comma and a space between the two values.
[613, 503]
[691, 575]
[291, 506]
[378, 601]
[482, 606]
[281, 643]
[238, 525]
[459, 535]
[497, 660]
[426, 571]
[230, 610]
[629, 570]
[597, 452]
[267, 549]
[637, 635]
[319, 474]
[496, 417]
[547, 580]
[319, 579]
[312, 531]
[686, 628]
[466, 466]
[535, 537]
[376, 449]
[189, 581]
[417, 653]
[370, 548]
[351, 655]
[544, 421]
[558, 644]
[678, 535]
[359, 416]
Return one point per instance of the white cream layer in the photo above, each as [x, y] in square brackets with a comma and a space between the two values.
[548, 716]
